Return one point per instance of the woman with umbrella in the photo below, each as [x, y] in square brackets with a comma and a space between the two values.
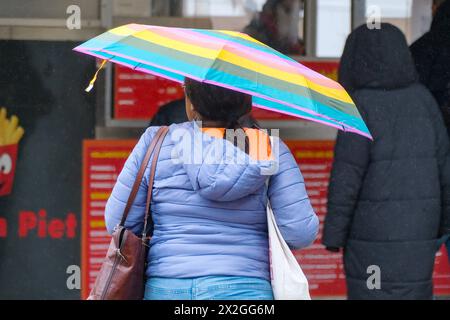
[210, 233]
[210, 191]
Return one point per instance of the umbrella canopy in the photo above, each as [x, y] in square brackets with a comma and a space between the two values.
[232, 60]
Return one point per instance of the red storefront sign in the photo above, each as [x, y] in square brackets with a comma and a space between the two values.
[103, 160]
[138, 95]
[323, 269]
[441, 275]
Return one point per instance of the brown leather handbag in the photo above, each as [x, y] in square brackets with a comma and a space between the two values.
[122, 274]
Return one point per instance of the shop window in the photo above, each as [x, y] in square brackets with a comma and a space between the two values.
[333, 27]
[398, 13]
[278, 23]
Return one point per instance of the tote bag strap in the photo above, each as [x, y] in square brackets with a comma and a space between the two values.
[152, 147]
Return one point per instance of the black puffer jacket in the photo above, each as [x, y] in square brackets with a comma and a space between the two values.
[432, 57]
[388, 198]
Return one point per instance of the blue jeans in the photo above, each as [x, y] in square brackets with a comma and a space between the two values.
[208, 288]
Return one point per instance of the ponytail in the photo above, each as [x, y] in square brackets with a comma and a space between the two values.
[235, 123]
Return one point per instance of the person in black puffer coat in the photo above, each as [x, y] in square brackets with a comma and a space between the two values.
[431, 54]
[389, 199]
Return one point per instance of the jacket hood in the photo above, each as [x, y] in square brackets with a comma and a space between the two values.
[378, 58]
[217, 169]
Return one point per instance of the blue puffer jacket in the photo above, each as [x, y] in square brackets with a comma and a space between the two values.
[210, 216]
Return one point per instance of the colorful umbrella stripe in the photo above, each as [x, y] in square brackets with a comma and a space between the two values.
[233, 60]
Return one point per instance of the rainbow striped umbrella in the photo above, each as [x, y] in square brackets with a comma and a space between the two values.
[233, 60]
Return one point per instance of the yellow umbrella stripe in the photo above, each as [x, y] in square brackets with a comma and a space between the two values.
[241, 35]
[124, 31]
[296, 79]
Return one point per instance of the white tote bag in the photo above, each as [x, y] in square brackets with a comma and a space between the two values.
[288, 280]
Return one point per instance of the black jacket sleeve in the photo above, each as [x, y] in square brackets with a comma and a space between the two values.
[349, 168]
[443, 157]
[423, 55]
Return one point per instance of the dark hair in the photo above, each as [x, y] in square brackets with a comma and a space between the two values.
[217, 103]
[220, 104]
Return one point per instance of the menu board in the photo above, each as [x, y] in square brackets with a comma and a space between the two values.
[102, 162]
[323, 269]
[104, 159]
[138, 95]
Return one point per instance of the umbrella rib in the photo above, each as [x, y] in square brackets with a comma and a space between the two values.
[226, 42]
[205, 76]
[137, 66]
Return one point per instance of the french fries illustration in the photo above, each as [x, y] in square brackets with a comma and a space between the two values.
[10, 135]
[10, 131]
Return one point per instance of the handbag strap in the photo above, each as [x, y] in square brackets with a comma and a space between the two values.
[148, 214]
[137, 182]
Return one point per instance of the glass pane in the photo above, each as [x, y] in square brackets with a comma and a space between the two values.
[221, 7]
[397, 12]
[333, 26]
[278, 23]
